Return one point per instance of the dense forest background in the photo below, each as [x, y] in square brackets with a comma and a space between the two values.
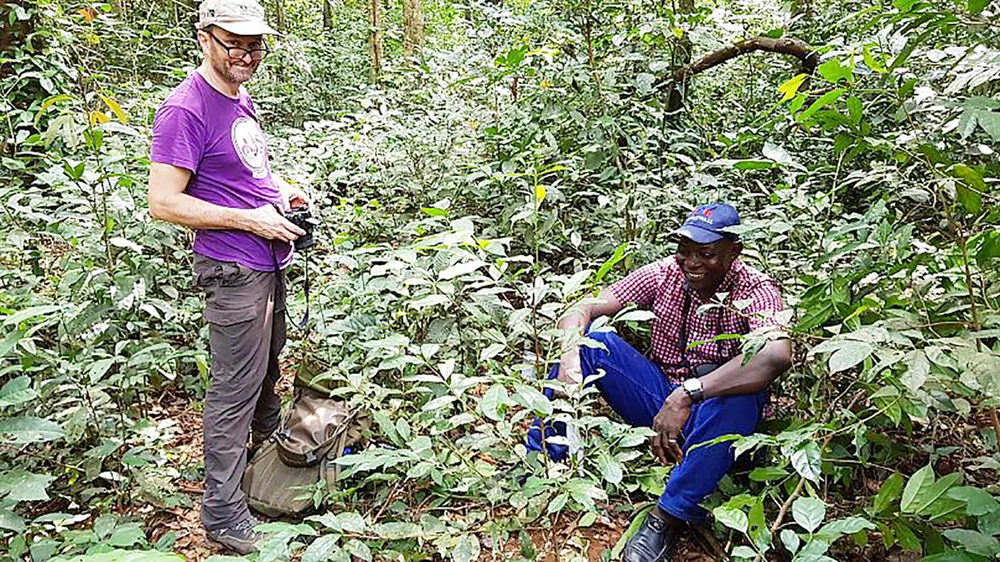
[478, 165]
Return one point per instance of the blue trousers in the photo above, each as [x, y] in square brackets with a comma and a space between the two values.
[635, 388]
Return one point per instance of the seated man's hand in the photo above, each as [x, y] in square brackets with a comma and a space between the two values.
[570, 370]
[668, 424]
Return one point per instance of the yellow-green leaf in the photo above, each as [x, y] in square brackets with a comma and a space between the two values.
[49, 102]
[540, 192]
[791, 87]
[116, 109]
[98, 117]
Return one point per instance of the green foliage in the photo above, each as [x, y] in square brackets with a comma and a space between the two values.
[523, 161]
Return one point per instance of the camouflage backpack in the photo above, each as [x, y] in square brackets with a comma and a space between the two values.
[283, 474]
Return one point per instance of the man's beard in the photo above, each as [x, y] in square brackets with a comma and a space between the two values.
[234, 74]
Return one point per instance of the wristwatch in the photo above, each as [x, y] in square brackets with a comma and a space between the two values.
[692, 387]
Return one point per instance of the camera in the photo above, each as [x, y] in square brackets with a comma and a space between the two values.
[304, 219]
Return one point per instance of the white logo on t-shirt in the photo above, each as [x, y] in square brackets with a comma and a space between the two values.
[249, 143]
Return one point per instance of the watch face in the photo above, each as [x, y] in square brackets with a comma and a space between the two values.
[692, 385]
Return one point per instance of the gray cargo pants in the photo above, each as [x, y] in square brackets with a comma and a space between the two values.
[244, 310]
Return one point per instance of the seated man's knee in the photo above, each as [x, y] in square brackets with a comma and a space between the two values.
[609, 342]
[738, 413]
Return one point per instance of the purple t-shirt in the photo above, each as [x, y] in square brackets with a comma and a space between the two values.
[219, 139]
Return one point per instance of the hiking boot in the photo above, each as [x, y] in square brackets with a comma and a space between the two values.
[653, 542]
[240, 538]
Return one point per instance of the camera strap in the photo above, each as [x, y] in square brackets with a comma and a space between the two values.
[302, 324]
[305, 289]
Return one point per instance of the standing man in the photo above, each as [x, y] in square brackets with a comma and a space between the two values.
[695, 387]
[210, 172]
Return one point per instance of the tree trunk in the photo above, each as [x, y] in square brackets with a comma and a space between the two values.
[681, 57]
[413, 27]
[327, 14]
[375, 38]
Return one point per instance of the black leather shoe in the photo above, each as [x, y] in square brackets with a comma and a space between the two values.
[653, 542]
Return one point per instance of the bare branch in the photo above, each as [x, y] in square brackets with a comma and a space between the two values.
[793, 47]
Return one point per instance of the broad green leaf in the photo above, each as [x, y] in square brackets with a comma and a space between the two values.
[846, 526]
[491, 401]
[612, 261]
[29, 313]
[977, 6]
[119, 555]
[823, 101]
[855, 109]
[611, 469]
[636, 316]
[808, 513]
[27, 429]
[491, 351]
[744, 552]
[921, 480]
[429, 301]
[466, 549]
[397, 530]
[924, 495]
[325, 548]
[438, 403]
[732, 518]
[989, 121]
[558, 503]
[17, 391]
[977, 501]
[20, 485]
[849, 354]
[359, 549]
[917, 369]
[460, 269]
[574, 283]
[790, 540]
[11, 521]
[974, 542]
[10, 340]
[970, 189]
[834, 71]
[888, 492]
[127, 535]
[807, 460]
[751, 164]
[768, 473]
[351, 522]
[99, 368]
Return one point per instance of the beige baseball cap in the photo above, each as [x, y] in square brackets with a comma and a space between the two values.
[241, 17]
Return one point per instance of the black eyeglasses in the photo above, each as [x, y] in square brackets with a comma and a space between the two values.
[240, 52]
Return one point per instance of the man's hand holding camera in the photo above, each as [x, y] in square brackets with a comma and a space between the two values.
[267, 222]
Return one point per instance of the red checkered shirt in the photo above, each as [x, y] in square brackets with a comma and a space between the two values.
[661, 286]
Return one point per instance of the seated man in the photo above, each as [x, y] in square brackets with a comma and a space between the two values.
[688, 394]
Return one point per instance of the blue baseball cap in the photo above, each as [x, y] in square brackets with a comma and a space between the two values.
[707, 223]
